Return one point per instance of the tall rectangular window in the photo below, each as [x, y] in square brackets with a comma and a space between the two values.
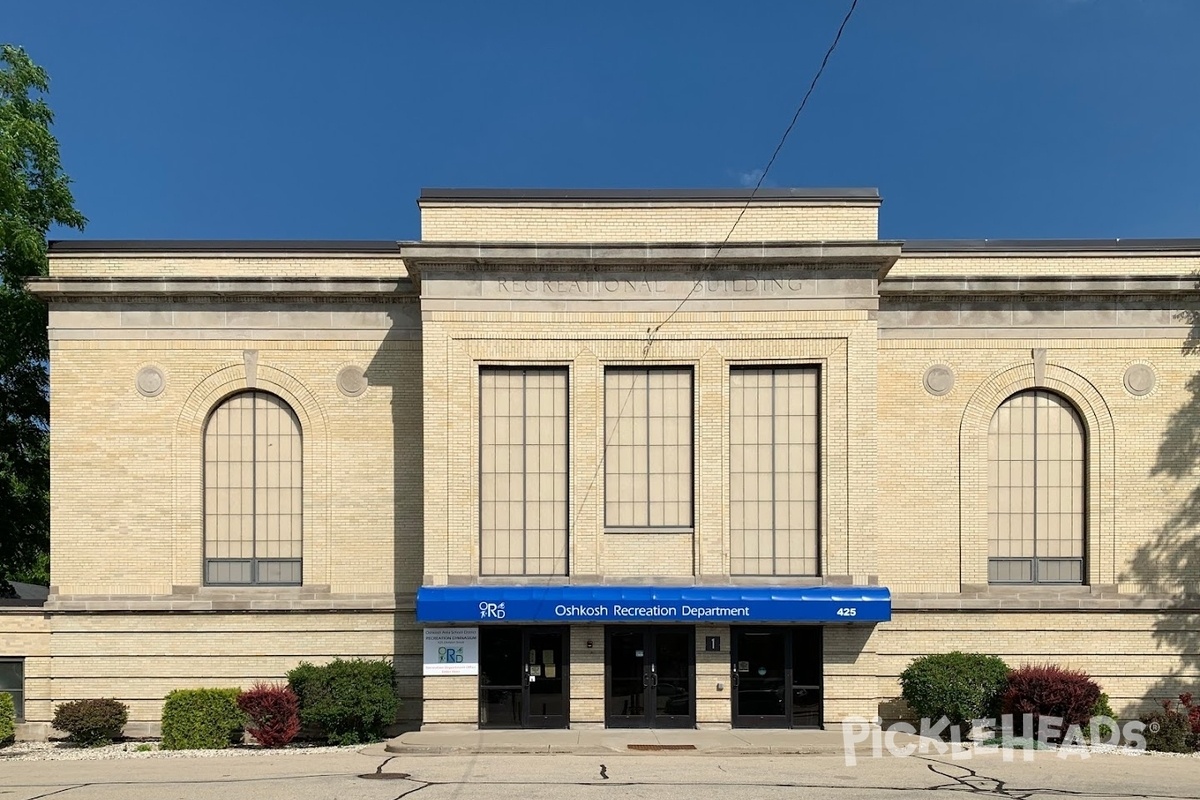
[523, 471]
[12, 681]
[774, 486]
[648, 458]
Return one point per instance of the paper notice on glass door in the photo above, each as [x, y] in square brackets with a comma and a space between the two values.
[551, 671]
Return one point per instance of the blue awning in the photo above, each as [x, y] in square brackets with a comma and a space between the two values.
[691, 604]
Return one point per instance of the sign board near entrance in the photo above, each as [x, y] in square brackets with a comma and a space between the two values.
[451, 651]
[850, 605]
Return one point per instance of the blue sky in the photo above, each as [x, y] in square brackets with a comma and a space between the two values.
[272, 119]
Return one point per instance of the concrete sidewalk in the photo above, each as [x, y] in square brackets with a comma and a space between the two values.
[632, 741]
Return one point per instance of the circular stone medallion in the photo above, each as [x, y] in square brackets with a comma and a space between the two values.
[351, 381]
[938, 380]
[150, 381]
[1139, 379]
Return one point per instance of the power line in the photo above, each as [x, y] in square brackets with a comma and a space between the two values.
[651, 332]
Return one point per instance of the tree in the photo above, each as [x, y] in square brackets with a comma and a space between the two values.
[34, 195]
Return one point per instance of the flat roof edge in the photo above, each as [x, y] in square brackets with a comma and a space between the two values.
[913, 246]
[222, 246]
[644, 195]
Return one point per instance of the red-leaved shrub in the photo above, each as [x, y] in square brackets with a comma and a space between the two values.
[1050, 691]
[1175, 729]
[274, 712]
[1186, 707]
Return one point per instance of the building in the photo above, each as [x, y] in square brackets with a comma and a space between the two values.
[570, 461]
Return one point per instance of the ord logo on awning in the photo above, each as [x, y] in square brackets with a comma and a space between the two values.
[491, 610]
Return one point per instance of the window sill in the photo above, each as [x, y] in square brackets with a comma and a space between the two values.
[229, 598]
[675, 529]
[780, 580]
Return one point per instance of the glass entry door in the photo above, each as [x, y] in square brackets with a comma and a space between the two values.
[651, 678]
[522, 677]
[776, 677]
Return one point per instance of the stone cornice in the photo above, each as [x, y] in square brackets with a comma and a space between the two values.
[1062, 285]
[221, 248]
[872, 251]
[557, 198]
[877, 256]
[87, 288]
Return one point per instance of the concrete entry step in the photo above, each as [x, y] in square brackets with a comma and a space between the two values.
[630, 742]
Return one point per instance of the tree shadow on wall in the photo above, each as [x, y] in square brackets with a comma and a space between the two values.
[395, 367]
[1167, 565]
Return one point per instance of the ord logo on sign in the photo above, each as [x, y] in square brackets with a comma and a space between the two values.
[451, 651]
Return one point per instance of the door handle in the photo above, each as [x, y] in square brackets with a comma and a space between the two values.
[646, 679]
[735, 679]
[654, 679]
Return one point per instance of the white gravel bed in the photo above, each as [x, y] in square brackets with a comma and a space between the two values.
[1076, 751]
[63, 751]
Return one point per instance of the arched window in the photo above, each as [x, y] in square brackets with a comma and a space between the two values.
[252, 492]
[1037, 475]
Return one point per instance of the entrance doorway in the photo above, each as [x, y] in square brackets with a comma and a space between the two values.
[651, 677]
[523, 677]
[776, 677]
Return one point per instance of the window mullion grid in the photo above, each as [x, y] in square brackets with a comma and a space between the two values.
[1037, 400]
[254, 488]
[524, 472]
[774, 522]
[649, 481]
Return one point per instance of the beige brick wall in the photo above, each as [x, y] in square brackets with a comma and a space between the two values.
[834, 341]
[225, 265]
[713, 705]
[649, 223]
[587, 676]
[25, 634]
[391, 477]
[362, 470]
[1138, 658]
[1140, 522]
[139, 658]
[851, 669]
[127, 513]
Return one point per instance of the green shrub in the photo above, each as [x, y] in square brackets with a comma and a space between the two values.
[347, 701]
[959, 686]
[91, 723]
[8, 719]
[201, 719]
[1102, 709]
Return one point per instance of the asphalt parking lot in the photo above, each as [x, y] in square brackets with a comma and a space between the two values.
[373, 773]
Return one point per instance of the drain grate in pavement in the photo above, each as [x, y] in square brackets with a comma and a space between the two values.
[661, 746]
[385, 776]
